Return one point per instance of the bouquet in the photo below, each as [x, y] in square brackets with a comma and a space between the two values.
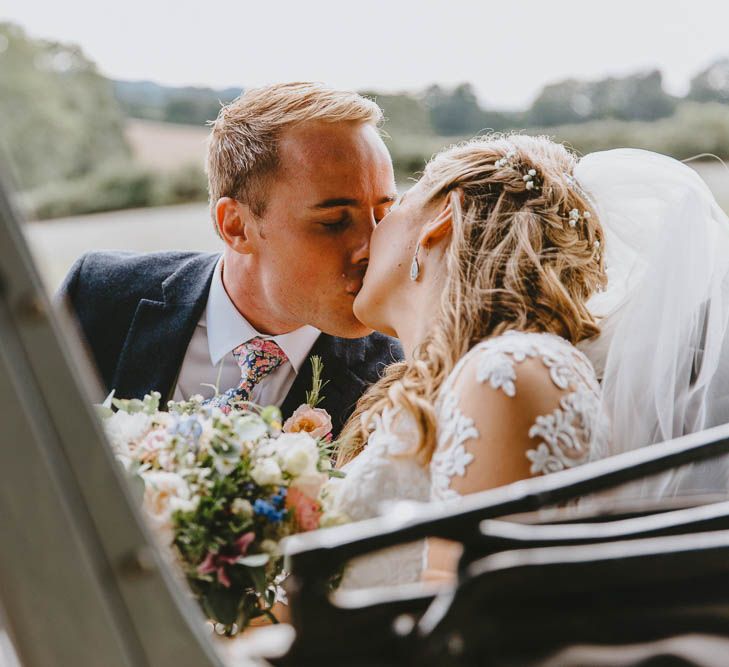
[222, 489]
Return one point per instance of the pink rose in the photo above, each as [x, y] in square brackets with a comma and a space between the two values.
[306, 510]
[314, 421]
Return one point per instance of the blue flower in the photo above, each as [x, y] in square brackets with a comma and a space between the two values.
[265, 509]
[280, 498]
[188, 428]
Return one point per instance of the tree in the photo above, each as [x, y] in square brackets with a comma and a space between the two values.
[637, 97]
[712, 84]
[60, 119]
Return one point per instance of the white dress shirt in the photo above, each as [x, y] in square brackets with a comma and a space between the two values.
[221, 329]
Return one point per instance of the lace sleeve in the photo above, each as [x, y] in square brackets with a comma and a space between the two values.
[518, 405]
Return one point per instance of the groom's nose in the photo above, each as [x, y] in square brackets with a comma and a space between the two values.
[361, 250]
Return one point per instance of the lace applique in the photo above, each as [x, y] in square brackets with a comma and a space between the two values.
[567, 433]
[498, 356]
[496, 368]
[456, 428]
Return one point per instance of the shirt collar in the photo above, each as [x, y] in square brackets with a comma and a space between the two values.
[227, 328]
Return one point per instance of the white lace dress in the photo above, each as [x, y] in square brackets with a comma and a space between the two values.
[568, 436]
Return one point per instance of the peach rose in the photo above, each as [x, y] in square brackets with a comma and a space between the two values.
[314, 421]
[306, 510]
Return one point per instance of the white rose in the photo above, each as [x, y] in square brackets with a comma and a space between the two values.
[124, 429]
[299, 454]
[164, 492]
[250, 428]
[266, 472]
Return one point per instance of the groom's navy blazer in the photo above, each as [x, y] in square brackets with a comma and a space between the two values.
[138, 314]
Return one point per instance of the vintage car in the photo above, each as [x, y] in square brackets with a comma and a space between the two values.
[540, 582]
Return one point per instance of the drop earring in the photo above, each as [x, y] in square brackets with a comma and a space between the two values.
[415, 267]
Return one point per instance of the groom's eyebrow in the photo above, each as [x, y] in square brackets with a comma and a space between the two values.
[347, 201]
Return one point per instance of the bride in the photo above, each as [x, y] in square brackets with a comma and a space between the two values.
[553, 311]
[484, 272]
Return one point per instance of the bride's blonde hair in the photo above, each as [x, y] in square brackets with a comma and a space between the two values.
[521, 256]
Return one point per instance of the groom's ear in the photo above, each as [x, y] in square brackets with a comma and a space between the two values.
[234, 222]
[439, 227]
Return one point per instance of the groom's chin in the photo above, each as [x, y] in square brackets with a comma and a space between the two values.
[356, 330]
[344, 327]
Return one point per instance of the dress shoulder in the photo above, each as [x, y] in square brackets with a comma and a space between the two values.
[564, 435]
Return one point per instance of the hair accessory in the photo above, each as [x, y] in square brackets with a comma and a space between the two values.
[529, 179]
[506, 159]
[575, 216]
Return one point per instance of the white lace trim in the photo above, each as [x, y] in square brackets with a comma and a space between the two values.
[567, 433]
[456, 428]
[382, 471]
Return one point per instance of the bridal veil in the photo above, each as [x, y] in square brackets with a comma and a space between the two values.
[663, 354]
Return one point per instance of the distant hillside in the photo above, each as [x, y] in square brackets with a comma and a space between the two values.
[189, 105]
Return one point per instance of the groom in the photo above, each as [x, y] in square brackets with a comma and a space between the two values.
[298, 178]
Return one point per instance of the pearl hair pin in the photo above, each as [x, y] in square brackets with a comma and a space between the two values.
[529, 178]
[574, 216]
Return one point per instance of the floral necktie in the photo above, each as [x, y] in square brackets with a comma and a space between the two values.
[256, 359]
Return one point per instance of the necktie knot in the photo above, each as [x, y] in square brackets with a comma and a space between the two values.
[256, 359]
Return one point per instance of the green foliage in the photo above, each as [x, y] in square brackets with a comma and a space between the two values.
[403, 113]
[637, 97]
[113, 187]
[188, 105]
[186, 184]
[711, 84]
[315, 396]
[60, 119]
[458, 112]
[694, 129]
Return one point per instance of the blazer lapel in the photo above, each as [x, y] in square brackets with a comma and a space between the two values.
[343, 387]
[161, 331]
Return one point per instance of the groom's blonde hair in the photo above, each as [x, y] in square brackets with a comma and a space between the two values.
[242, 149]
[516, 261]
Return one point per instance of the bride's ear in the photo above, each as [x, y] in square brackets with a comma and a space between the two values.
[439, 227]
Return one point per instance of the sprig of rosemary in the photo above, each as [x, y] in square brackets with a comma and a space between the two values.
[314, 397]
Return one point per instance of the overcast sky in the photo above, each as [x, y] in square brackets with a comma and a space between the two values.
[507, 50]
